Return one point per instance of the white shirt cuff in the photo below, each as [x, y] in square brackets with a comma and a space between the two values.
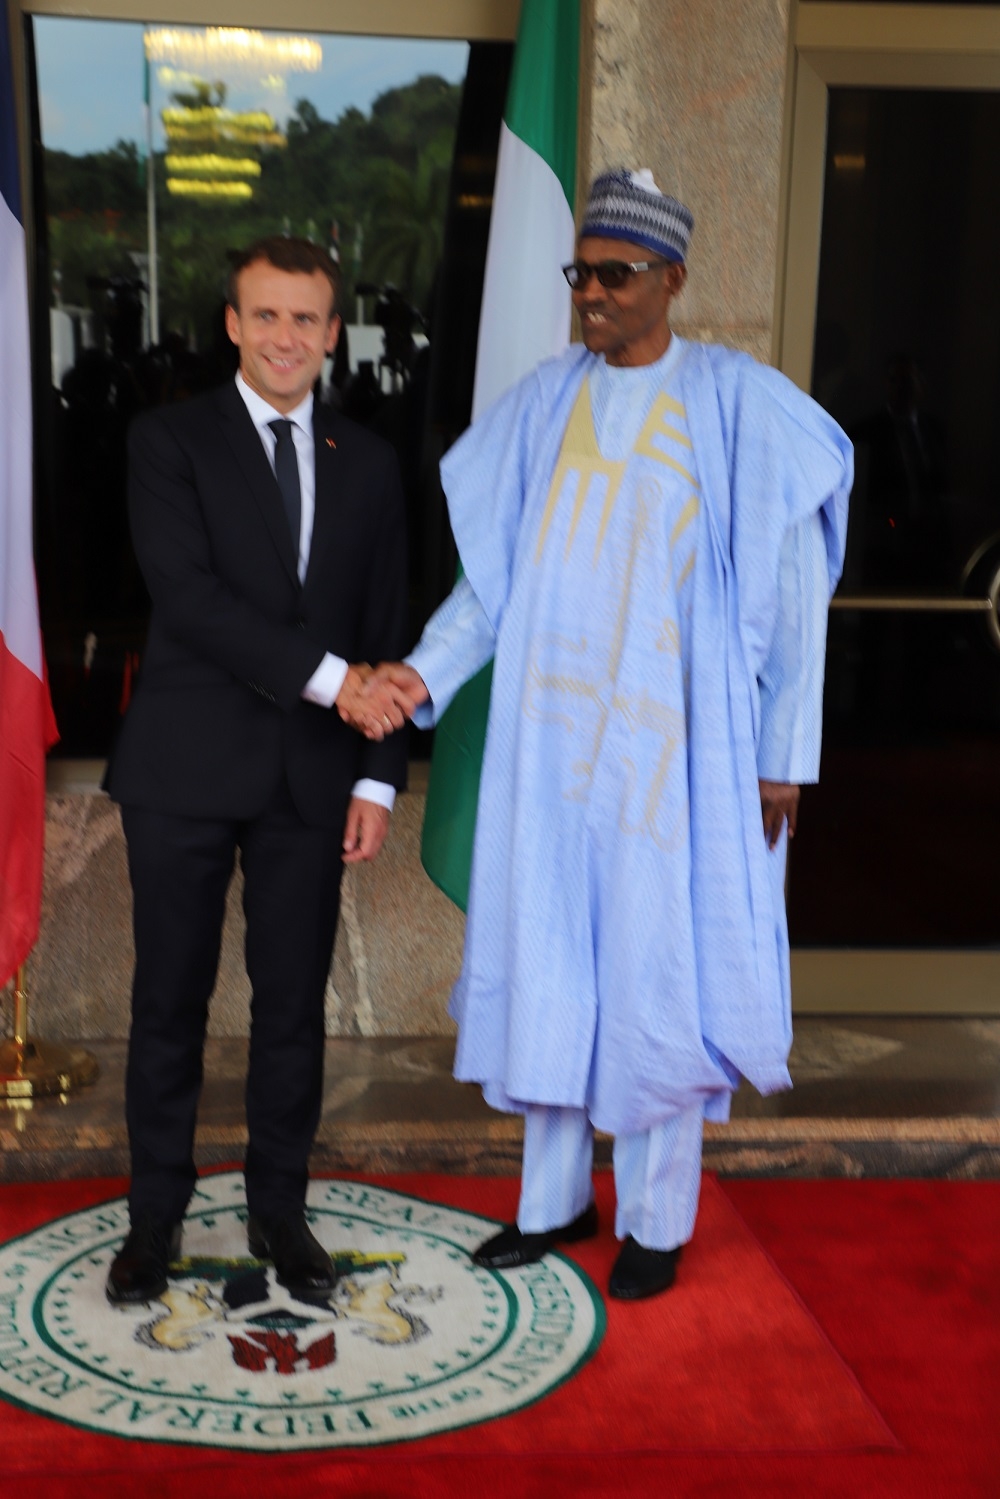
[375, 791]
[323, 687]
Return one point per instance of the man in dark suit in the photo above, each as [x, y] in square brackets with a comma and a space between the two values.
[270, 533]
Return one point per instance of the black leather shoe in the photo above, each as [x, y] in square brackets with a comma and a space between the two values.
[510, 1247]
[640, 1272]
[301, 1263]
[139, 1270]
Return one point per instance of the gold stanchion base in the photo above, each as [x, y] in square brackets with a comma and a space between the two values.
[32, 1069]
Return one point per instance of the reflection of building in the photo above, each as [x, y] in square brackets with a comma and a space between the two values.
[70, 332]
[366, 343]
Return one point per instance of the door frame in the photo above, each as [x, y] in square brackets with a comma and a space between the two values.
[876, 46]
[881, 46]
[460, 20]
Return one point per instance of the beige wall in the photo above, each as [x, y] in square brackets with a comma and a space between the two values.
[399, 942]
[697, 92]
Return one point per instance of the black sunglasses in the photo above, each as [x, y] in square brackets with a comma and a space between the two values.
[610, 273]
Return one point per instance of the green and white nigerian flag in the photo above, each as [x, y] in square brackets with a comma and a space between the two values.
[525, 313]
[525, 318]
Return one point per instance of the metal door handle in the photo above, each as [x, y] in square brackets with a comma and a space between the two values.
[887, 603]
[911, 604]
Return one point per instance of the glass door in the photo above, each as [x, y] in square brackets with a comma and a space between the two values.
[892, 897]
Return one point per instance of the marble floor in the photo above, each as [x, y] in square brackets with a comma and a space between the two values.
[872, 1097]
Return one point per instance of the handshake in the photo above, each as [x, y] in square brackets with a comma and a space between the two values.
[378, 700]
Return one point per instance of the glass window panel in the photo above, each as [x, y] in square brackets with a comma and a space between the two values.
[161, 150]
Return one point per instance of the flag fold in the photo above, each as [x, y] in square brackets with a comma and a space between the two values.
[27, 727]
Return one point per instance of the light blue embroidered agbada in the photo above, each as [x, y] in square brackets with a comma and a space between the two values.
[626, 949]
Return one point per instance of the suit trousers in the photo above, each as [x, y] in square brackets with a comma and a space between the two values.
[180, 869]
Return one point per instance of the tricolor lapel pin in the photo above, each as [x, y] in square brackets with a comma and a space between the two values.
[330, 442]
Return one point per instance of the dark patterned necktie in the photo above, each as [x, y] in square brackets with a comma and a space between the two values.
[286, 471]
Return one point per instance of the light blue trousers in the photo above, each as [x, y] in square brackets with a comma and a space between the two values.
[657, 1175]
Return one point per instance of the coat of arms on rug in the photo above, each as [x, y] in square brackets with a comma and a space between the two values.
[267, 1328]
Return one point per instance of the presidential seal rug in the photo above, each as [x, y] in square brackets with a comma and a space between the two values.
[414, 1340]
[741, 1375]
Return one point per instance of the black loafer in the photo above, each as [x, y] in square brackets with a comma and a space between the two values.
[139, 1270]
[640, 1272]
[300, 1262]
[510, 1247]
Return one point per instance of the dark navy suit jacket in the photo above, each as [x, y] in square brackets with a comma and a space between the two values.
[217, 714]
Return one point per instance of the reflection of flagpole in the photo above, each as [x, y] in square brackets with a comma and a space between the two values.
[154, 289]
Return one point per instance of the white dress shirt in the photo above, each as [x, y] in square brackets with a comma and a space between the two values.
[326, 681]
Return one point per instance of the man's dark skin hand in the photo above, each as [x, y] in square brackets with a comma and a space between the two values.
[778, 801]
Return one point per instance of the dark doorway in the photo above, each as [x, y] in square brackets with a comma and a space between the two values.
[897, 844]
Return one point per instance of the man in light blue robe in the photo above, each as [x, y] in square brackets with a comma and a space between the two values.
[650, 531]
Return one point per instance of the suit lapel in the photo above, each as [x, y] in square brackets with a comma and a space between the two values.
[333, 464]
[248, 451]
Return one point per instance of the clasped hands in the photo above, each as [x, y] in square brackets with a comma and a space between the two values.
[378, 700]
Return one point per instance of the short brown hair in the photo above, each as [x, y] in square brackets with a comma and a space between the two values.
[285, 254]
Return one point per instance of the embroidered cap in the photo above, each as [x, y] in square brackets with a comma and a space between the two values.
[629, 205]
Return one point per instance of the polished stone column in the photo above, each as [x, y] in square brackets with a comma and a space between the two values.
[697, 93]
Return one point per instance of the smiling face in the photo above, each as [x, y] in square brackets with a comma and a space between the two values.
[628, 326]
[284, 326]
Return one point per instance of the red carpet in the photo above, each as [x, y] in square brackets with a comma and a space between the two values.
[744, 1379]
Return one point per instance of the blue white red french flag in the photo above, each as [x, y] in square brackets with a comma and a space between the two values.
[27, 726]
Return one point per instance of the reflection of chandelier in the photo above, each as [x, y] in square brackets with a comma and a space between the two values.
[215, 166]
[212, 123]
[210, 176]
[195, 174]
[234, 49]
[194, 187]
[193, 128]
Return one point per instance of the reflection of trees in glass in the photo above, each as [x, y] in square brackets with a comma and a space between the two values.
[382, 178]
[409, 210]
[192, 276]
[97, 205]
[84, 245]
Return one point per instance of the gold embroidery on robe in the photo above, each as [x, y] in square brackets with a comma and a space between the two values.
[559, 689]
